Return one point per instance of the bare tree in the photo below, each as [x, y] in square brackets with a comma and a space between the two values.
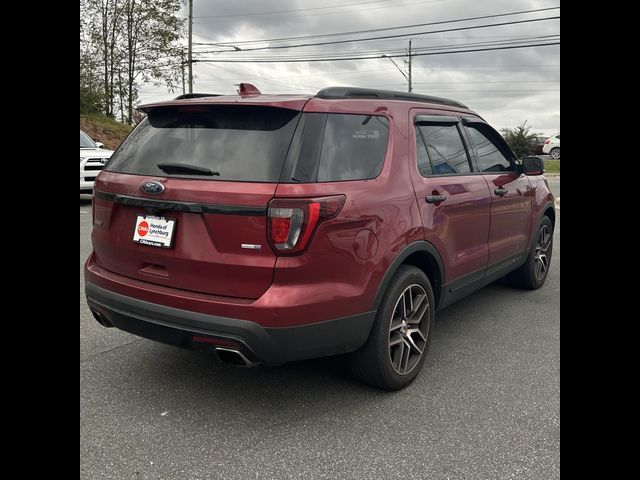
[134, 40]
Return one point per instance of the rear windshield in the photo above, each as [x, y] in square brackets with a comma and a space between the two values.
[255, 144]
[239, 143]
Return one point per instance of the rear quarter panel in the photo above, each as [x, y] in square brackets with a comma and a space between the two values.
[349, 255]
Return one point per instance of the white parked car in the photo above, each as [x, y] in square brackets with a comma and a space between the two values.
[552, 146]
[93, 158]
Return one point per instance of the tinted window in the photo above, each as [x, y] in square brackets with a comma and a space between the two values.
[353, 147]
[334, 147]
[558, 136]
[305, 149]
[490, 159]
[445, 150]
[424, 166]
[242, 143]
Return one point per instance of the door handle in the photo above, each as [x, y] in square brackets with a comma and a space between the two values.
[500, 191]
[435, 198]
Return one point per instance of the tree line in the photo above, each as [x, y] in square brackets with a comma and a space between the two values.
[124, 42]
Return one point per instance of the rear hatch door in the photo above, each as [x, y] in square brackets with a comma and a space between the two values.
[203, 175]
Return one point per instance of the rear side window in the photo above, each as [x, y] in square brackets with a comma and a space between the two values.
[445, 152]
[337, 147]
[241, 143]
[353, 147]
[489, 156]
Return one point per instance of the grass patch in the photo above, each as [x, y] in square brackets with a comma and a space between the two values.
[552, 166]
[104, 129]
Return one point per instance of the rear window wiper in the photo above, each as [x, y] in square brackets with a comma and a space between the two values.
[186, 168]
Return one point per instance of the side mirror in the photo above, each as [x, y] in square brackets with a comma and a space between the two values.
[532, 166]
[99, 144]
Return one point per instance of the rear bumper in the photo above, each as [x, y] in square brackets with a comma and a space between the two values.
[259, 344]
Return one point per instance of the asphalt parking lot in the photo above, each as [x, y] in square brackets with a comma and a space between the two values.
[486, 406]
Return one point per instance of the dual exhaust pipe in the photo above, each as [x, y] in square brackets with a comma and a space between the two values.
[234, 357]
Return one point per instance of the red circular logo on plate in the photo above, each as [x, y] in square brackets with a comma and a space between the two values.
[143, 228]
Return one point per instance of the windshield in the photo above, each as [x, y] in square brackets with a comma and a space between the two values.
[85, 141]
[239, 143]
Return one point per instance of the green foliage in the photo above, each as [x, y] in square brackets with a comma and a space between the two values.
[124, 42]
[520, 139]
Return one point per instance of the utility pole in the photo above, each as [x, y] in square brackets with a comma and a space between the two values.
[190, 52]
[410, 86]
[182, 66]
[406, 75]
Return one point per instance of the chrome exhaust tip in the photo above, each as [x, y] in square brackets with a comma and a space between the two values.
[234, 357]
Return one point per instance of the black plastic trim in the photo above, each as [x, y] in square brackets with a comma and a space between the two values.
[175, 206]
[197, 95]
[465, 281]
[354, 92]
[268, 345]
[436, 119]
[463, 286]
[534, 231]
[419, 246]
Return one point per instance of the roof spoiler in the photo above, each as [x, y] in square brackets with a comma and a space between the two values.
[197, 95]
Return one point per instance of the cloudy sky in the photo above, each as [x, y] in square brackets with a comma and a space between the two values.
[505, 86]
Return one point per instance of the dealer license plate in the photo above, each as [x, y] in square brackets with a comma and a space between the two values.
[154, 231]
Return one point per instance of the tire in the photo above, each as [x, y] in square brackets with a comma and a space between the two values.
[392, 367]
[555, 153]
[532, 274]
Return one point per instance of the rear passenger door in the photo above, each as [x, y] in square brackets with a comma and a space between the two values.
[510, 194]
[454, 201]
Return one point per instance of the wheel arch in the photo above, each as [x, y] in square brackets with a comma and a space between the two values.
[548, 210]
[420, 254]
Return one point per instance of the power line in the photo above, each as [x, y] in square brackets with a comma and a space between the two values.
[395, 5]
[484, 67]
[488, 81]
[335, 59]
[389, 70]
[430, 47]
[335, 42]
[290, 11]
[442, 22]
[259, 77]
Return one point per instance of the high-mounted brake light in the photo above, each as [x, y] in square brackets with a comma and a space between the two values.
[292, 221]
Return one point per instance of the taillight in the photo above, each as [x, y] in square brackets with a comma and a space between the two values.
[547, 142]
[292, 221]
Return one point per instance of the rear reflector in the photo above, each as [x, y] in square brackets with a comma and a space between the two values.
[292, 221]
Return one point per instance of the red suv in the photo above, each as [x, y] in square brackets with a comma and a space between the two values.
[272, 228]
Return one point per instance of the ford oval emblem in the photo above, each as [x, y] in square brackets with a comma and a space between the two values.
[152, 187]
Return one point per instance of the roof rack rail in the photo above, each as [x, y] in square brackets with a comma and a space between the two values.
[354, 92]
[197, 95]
